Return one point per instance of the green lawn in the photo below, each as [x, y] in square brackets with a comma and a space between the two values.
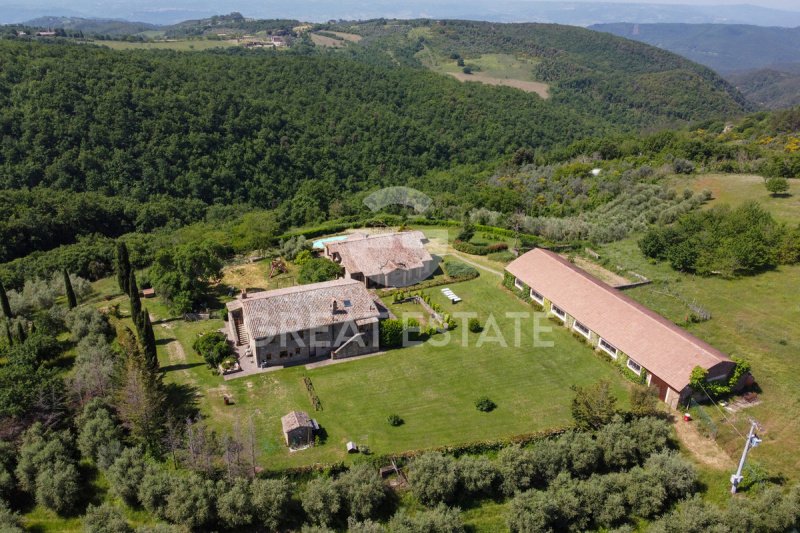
[433, 388]
[736, 188]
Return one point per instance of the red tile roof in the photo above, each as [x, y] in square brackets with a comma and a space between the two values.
[375, 255]
[304, 307]
[651, 340]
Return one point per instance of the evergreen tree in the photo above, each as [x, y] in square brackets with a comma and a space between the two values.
[123, 267]
[7, 327]
[136, 303]
[148, 342]
[72, 301]
[4, 305]
[21, 333]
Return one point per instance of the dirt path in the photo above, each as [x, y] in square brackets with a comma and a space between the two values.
[542, 89]
[475, 264]
[705, 450]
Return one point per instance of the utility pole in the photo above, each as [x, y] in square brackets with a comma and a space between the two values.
[751, 442]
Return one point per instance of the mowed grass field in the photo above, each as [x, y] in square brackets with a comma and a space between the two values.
[737, 188]
[433, 388]
[755, 317]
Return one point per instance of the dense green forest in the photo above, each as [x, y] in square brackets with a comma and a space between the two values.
[617, 78]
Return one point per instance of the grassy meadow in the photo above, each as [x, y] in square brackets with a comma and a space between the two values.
[753, 317]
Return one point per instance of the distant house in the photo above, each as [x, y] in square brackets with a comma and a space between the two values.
[384, 260]
[148, 293]
[278, 40]
[637, 338]
[298, 429]
[45, 34]
[337, 318]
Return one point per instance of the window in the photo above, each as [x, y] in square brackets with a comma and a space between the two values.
[580, 328]
[284, 354]
[558, 312]
[518, 284]
[636, 367]
[348, 303]
[537, 297]
[297, 351]
[609, 348]
[269, 356]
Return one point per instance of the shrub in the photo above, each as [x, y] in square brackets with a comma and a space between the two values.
[362, 490]
[474, 325]
[235, 505]
[105, 518]
[485, 405]
[477, 474]
[270, 500]
[395, 420]
[125, 475]
[441, 519]
[317, 270]
[459, 270]
[321, 500]
[434, 478]
[213, 347]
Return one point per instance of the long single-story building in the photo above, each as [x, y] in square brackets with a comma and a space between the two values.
[397, 259]
[643, 341]
[337, 318]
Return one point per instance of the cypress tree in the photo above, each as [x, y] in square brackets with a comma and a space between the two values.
[21, 334]
[123, 267]
[4, 305]
[72, 301]
[136, 303]
[148, 342]
[7, 327]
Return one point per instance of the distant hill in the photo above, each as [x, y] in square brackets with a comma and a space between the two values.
[584, 13]
[624, 81]
[92, 26]
[231, 22]
[759, 61]
[776, 88]
[723, 47]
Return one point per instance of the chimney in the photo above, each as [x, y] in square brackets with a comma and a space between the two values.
[334, 306]
[244, 294]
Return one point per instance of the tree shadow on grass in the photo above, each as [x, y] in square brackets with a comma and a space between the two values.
[182, 366]
[182, 399]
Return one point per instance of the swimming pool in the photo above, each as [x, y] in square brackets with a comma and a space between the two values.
[320, 244]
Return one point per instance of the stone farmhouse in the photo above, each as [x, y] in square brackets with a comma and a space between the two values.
[637, 338]
[384, 260]
[334, 318]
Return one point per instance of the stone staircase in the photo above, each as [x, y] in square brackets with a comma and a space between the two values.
[241, 333]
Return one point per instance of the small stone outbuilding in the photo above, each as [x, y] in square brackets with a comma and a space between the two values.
[298, 429]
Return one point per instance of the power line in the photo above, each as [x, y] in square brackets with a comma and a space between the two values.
[721, 411]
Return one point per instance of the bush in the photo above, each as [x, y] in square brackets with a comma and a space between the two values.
[474, 325]
[441, 519]
[485, 405]
[434, 478]
[213, 348]
[459, 270]
[317, 270]
[395, 420]
[270, 500]
[392, 331]
[105, 518]
[362, 491]
[321, 500]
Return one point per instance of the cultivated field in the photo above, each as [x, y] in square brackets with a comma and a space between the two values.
[332, 42]
[492, 69]
[179, 45]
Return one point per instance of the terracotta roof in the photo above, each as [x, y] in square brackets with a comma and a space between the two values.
[294, 420]
[304, 307]
[654, 342]
[382, 253]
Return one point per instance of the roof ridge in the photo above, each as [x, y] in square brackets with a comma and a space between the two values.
[618, 295]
